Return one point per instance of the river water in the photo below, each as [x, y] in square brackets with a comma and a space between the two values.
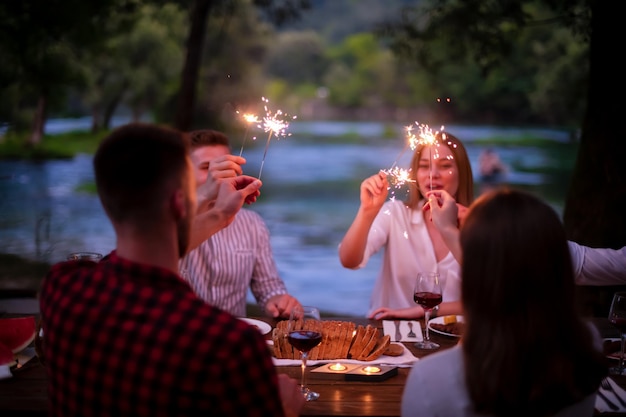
[309, 197]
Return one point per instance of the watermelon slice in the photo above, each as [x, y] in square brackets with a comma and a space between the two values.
[6, 361]
[17, 332]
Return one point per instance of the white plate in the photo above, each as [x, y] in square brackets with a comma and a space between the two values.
[440, 321]
[263, 327]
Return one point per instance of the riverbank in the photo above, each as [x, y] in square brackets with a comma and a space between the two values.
[310, 194]
[17, 273]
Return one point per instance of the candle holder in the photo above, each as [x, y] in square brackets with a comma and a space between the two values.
[335, 370]
[371, 373]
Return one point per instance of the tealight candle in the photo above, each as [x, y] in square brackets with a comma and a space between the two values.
[371, 369]
[337, 367]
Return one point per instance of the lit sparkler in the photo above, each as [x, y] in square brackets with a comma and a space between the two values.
[412, 141]
[274, 124]
[424, 136]
[249, 119]
[428, 138]
[398, 176]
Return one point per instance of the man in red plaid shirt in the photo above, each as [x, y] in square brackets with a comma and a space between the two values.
[127, 336]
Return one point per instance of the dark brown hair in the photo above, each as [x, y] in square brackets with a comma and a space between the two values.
[465, 193]
[207, 137]
[136, 168]
[527, 349]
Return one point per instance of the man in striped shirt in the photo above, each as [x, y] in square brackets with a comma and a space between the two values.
[222, 268]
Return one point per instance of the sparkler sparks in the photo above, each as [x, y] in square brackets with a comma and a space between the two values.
[249, 118]
[398, 176]
[424, 136]
[274, 123]
[428, 138]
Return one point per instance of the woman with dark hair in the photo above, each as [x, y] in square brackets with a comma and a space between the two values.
[518, 285]
[411, 242]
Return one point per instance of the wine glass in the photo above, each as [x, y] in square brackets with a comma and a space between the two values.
[617, 317]
[304, 332]
[427, 293]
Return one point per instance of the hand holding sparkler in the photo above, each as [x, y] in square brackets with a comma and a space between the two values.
[374, 192]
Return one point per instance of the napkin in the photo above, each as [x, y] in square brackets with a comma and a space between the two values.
[389, 327]
[403, 361]
[614, 395]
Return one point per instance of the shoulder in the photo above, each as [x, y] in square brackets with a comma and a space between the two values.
[66, 270]
[212, 323]
[248, 216]
[447, 365]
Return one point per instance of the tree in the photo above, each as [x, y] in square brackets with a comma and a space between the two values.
[276, 11]
[487, 31]
[44, 40]
[138, 66]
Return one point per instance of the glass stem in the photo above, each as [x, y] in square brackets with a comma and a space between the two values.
[426, 319]
[621, 355]
[305, 356]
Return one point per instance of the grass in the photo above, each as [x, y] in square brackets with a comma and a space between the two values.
[60, 146]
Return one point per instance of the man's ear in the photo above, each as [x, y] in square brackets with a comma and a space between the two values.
[179, 204]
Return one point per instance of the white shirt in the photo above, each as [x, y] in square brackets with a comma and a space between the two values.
[598, 266]
[239, 256]
[436, 387]
[408, 250]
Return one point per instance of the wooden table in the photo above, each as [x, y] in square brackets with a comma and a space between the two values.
[349, 398]
[25, 393]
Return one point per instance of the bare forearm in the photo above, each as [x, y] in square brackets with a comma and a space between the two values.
[451, 237]
[354, 242]
[450, 308]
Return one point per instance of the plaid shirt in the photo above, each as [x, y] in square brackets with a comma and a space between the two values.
[129, 339]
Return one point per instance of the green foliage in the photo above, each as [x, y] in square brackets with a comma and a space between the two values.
[505, 62]
[297, 57]
[518, 61]
[88, 188]
[139, 66]
[66, 145]
[44, 43]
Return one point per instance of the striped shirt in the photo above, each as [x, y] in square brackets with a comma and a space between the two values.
[234, 259]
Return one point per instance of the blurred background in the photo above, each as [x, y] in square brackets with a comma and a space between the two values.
[352, 73]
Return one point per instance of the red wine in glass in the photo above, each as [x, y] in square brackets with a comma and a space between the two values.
[304, 333]
[427, 299]
[304, 340]
[427, 293]
[619, 323]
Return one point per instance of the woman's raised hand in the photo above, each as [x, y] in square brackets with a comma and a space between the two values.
[374, 191]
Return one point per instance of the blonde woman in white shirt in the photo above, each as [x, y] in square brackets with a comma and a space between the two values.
[404, 230]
